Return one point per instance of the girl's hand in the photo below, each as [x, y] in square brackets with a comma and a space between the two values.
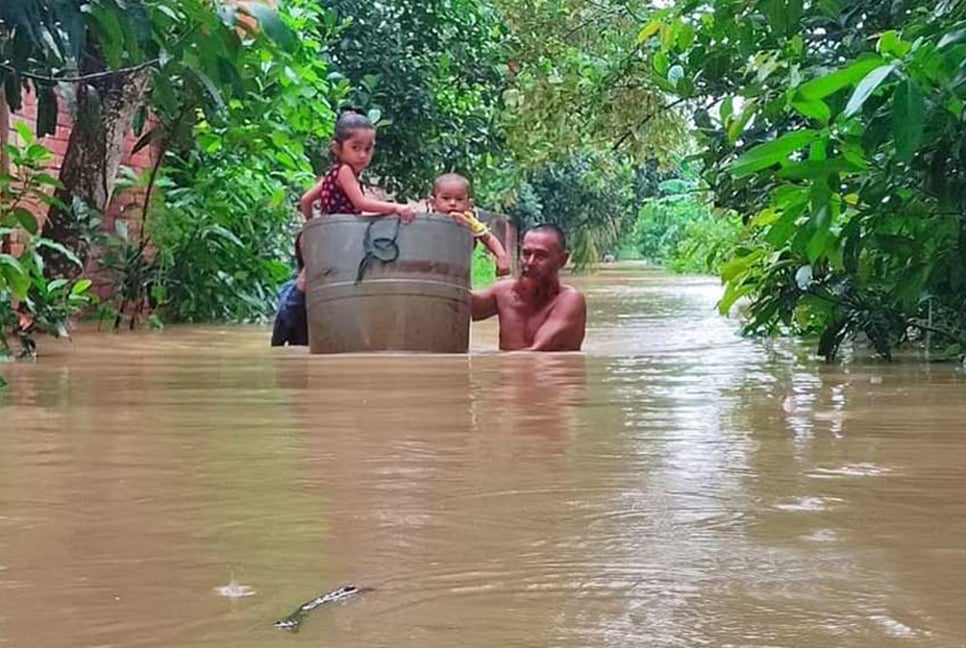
[406, 214]
[502, 266]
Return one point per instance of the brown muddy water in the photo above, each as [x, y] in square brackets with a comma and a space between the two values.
[675, 485]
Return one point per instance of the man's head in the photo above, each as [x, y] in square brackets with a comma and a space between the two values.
[451, 193]
[543, 253]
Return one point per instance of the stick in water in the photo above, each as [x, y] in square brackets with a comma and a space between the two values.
[294, 620]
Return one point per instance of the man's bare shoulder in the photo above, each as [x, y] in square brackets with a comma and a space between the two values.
[570, 297]
[502, 288]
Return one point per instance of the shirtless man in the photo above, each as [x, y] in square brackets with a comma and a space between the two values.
[537, 312]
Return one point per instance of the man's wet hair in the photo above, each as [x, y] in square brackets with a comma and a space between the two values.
[453, 177]
[555, 229]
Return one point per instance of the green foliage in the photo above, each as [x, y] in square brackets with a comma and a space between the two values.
[679, 229]
[837, 130]
[434, 70]
[224, 226]
[483, 269]
[26, 294]
[590, 195]
[220, 239]
[583, 112]
[707, 243]
[191, 47]
[581, 80]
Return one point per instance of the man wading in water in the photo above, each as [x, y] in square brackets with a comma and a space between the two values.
[537, 312]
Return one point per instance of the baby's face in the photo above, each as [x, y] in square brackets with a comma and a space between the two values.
[451, 197]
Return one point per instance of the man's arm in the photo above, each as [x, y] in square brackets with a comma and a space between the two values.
[564, 328]
[483, 303]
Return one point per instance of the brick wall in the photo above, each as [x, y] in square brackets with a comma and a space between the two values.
[57, 143]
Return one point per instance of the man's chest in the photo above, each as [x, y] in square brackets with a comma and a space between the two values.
[520, 322]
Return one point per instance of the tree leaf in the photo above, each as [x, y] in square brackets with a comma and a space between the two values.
[866, 87]
[17, 278]
[814, 108]
[952, 37]
[782, 230]
[737, 126]
[46, 109]
[891, 43]
[210, 89]
[268, 19]
[776, 15]
[648, 30]
[26, 219]
[820, 222]
[829, 84]
[831, 338]
[908, 115]
[81, 286]
[765, 155]
[153, 135]
[11, 90]
[57, 247]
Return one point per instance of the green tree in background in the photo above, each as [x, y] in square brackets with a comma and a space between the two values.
[582, 82]
[111, 60]
[833, 128]
[225, 224]
[838, 134]
[590, 196]
[677, 226]
[434, 70]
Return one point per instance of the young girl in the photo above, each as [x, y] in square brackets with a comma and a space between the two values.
[339, 191]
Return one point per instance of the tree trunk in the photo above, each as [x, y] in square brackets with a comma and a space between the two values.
[4, 158]
[105, 114]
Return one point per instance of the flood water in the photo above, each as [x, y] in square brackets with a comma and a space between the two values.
[675, 485]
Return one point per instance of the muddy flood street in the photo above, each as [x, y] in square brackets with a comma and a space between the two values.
[674, 485]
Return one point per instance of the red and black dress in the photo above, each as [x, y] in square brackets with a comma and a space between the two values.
[332, 199]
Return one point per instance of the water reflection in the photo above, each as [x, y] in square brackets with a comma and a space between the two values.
[675, 485]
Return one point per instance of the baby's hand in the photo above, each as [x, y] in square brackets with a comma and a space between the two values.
[406, 214]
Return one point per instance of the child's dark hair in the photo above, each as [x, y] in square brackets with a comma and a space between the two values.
[298, 251]
[350, 120]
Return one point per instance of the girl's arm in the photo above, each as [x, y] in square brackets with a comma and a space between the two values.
[308, 198]
[350, 185]
[493, 244]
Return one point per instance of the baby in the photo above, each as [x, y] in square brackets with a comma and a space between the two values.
[452, 195]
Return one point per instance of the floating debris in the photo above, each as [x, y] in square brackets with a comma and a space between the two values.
[294, 620]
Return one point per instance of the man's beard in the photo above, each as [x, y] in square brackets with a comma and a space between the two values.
[533, 287]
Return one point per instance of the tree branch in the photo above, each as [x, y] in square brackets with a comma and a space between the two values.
[938, 331]
[84, 78]
[627, 134]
